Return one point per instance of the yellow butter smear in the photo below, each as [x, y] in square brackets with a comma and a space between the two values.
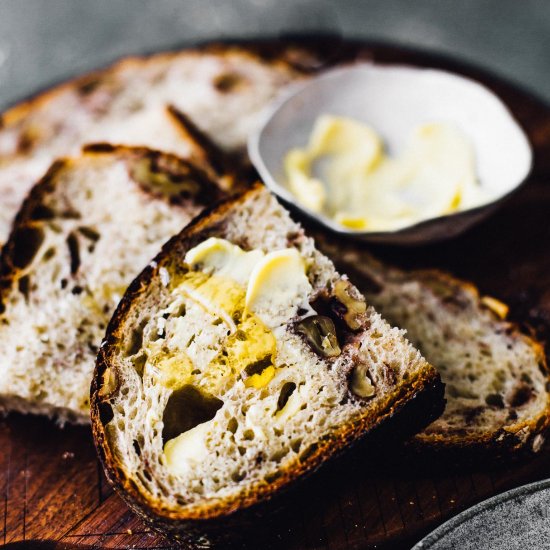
[248, 343]
[345, 174]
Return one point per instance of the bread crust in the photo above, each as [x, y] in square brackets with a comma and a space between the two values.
[18, 111]
[205, 515]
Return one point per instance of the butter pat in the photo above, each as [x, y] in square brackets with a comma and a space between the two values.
[186, 450]
[220, 257]
[277, 284]
[344, 174]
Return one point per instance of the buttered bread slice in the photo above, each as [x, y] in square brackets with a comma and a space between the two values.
[81, 236]
[238, 361]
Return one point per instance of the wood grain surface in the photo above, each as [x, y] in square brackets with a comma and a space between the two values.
[55, 495]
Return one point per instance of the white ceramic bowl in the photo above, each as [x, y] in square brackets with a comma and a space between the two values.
[394, 100]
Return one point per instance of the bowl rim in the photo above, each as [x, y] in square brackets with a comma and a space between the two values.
[292, 90]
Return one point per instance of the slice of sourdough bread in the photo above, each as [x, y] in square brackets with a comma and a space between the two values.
[498, 399]
[223, 89]
[81, 236]
[181, 366]
[496, 376]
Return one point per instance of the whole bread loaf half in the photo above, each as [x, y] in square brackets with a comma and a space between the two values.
[218, 384]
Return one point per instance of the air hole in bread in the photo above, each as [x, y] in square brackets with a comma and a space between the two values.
[232, 425]
[26, 242]
[139, 363]
[258, 366]
[74, 251]
[495, 400]
[42, 212]
[105, 412]
[147, 475]
[136, 446]
[186, 408]
[238, 476]
[228, 81]
[23, 284]
[281, 453]
[295, 445]
[248, 435]
[49, 254]
[521, 395]
[286, 391]
[136, 338]
[89, 232]
[526, 378]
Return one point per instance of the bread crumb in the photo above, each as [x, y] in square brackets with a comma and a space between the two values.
[164, 276]
[67, 455]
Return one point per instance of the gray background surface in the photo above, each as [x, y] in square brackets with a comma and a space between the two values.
[44, 41]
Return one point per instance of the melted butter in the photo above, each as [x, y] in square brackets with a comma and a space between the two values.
[173, 371]
[251, 343]
[218, 295]
[261, 379]
[344, 174]
[249, 340]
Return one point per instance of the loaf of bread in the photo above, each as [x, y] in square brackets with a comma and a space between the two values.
[81, 236]
[236, 362]
[134, 102]
[496, 376]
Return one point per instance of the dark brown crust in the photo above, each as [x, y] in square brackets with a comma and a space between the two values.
[210, 154]
[205, 516]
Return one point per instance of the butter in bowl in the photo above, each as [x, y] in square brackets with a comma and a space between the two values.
[392, 154]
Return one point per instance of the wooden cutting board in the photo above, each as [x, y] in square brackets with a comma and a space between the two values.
[55, 495]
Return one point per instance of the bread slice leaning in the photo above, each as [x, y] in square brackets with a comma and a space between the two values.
[81, 236]
[496, 377]
[134, 102]
[164, 348]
